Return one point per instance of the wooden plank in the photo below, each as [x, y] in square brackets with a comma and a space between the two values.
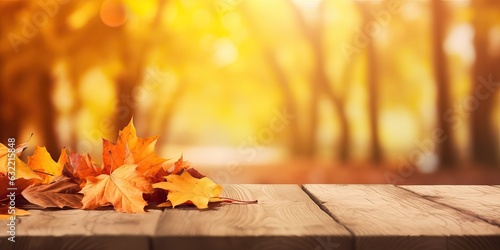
[478, 200]
[80, 229]
[388, 217]
[284, 218]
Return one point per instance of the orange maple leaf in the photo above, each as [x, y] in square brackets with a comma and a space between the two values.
[179, 165]
[142, 149]
[42, 163]
[81, 166]
[22, 170]
[185, 188]
[123, 188]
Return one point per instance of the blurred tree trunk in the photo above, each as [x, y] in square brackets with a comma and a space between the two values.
[125, 82]
[320, 82]
[10, 116]
[373, 102]
[47, 120]
[169, 111]
[295, 143]
[27, 71]
[372, 79]
[446, 149]
[134, 59]
[484, 136]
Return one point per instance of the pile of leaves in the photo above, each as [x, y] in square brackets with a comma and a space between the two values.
[130, 177]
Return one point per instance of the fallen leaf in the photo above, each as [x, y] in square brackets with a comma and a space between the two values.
[157, 196]
[19, 184]
[42, 163]
[148, 163]
[184, 187]
[22, 170]
[180, 165]
[193, 172]
[123, 188]
[62, 193]
[81, 166]
[159, 176]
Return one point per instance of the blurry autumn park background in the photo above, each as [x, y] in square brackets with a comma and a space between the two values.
[339, 91]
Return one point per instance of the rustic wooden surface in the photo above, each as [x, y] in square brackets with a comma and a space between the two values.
[479, 201]
[80, 229]
[286, 217]
[391, 217]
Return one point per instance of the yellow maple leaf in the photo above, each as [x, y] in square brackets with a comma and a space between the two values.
[183, 188]
[22, 170]
[123, 188]
[43, 164]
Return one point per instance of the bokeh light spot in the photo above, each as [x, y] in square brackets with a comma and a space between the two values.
[114, 13]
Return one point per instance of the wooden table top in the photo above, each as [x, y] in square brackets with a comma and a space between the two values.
[312, 216]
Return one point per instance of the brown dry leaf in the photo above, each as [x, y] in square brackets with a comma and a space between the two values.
[22, 170]
[42, 163]
[61, 193]
[183, 188]
[123, 188]
[148, 163]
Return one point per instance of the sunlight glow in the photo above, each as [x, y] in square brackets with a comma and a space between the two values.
[225, 52]
[307, 4]
[114, 13]
[460, 42]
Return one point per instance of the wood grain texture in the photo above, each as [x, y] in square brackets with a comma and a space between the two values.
[80, 229]
[480, 201]
[284, 218]
[388, 217]
[361, 217]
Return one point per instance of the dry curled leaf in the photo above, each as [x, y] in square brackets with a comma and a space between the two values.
[61, 193]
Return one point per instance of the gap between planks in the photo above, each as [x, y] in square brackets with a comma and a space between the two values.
[389, 217]
[463, 198]
[325, 209]
[285, 217]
